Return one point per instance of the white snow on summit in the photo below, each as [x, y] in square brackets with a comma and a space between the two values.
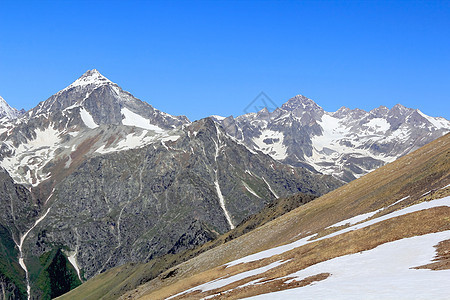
[90, 77]
[346, 144]
[7, 111]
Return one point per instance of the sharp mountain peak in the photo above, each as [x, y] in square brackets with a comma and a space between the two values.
[7, 111]
[300, 101]
[91, 77]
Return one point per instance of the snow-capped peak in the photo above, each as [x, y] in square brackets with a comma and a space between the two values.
[91, 77]
[300, 102]
[7, 111]
[218, 118]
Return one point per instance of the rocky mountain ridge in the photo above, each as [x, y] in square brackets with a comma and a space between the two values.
[346, 144]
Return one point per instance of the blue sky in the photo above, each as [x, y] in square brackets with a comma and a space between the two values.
[200, 58]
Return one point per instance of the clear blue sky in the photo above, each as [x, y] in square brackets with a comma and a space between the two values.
[213, 57]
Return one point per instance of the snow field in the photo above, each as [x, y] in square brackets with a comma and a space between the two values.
[385, 272]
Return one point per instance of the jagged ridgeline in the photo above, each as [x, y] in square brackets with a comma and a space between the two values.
[347, 144]
[95, 178]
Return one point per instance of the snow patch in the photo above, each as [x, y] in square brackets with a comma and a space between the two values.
[222, 201]
[87, 118]
[29, 158]
[271, 142]
[410, 209]
[306, 240]
[250, 190]
[221, 282]
[439, 123]
[270, 188]
[363, 217]
[133, 119]
[340, 138]
[378, 125]
[73, 260]
[219, 118]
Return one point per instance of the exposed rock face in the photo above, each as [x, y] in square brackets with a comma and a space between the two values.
[346, 144]
[16, 215]
[197, 234]
[18, 210]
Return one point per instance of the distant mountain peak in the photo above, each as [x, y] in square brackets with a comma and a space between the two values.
[400, 110]
[380, 111]
[300, 102]
[90, 77]
[7, 111]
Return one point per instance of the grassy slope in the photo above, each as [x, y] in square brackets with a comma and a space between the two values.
[10, 269]
[115, 282]
[413, 175]
[52, 275]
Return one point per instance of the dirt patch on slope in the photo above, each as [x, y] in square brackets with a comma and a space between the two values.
[442, 259]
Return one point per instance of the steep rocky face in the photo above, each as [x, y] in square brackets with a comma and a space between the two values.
[346, 144]
[19, 207]
[17, 214]
[196, 235]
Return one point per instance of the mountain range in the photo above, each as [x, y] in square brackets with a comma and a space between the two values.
[346, 144]
[94, 178]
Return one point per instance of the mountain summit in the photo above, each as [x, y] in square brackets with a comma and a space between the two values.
[100, 102]
[65, 120]
[8, 111]
[91, 77]
[300, 102]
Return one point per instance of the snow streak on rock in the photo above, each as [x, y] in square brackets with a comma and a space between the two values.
[216, 183]
[20, 245]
